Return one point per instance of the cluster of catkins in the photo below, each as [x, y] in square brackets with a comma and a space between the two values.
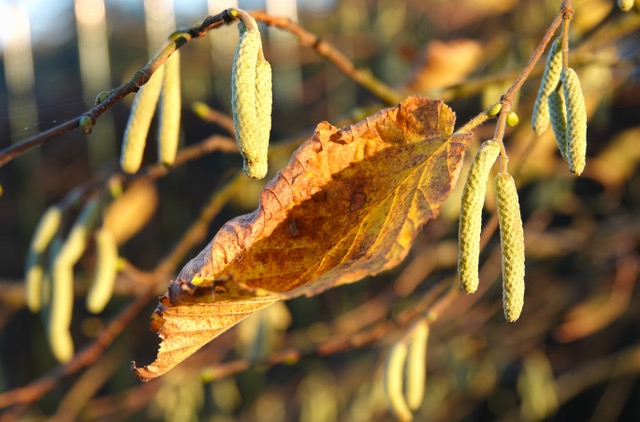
[560, 101]
[53, 255]
[511, 231]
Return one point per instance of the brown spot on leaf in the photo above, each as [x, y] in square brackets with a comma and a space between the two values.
[300, 241]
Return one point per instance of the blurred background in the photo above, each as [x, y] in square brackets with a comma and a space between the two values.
[574, 353]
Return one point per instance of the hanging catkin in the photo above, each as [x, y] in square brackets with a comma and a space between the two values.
[549, 82]
[42, 236]
[135, 135]
[393, 380]
[512, 243]
[576, 121]
[62, 279]
[558, 118]
[471, 214]
[170, 110]
[101, 288]
[416, 366]
[251, 101]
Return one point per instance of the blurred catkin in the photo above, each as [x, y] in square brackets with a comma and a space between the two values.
[170, 111]
[393, 380]
[101, 288]
[416, 366]
[135, 134]
[42, 236]
[62, 279]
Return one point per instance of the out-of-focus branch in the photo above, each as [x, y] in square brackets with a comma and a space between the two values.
[22, 396]
[327, 51]
[133, 85]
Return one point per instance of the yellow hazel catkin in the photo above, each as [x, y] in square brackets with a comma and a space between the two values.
[416, 366]
[548, 84]
[135, 134]
[558, 119]
[512, 244]
[393, 380]
[62, 280]
[251, 101]
[101, 288]
[42, 236]
[576, 121]
[170, 110]
[473, 197]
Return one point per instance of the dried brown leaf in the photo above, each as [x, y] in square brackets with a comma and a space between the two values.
[348, 205]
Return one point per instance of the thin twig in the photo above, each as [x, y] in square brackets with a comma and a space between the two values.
[85, 357]
[361, 76]
[133, 85]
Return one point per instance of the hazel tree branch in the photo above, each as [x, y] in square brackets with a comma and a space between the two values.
[178, 39]
[331, 54]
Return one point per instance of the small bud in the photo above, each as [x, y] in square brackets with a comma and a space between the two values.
[625, 5]
[102, 95]
[513, 119]
[86, 124]
[494, 110]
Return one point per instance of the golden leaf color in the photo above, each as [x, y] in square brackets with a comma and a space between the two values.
[348, 205]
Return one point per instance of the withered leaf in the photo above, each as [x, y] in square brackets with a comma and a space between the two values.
[348, 205]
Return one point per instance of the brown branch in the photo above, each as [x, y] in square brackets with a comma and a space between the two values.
[133, 85]
[211, 115]
[327, 51]
[508, 96]
[89, 354]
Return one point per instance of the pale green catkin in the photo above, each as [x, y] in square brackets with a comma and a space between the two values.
[558, 121]
[416, 366]
[548, 84]
[42, 236]
[104, 277]
[470, 227]
[251, 102]
[625, 5]
[135, 135]
[576, 121]
[512, 243]
[264, 103]
[393, 380]
[62, 280]
[170, 111]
